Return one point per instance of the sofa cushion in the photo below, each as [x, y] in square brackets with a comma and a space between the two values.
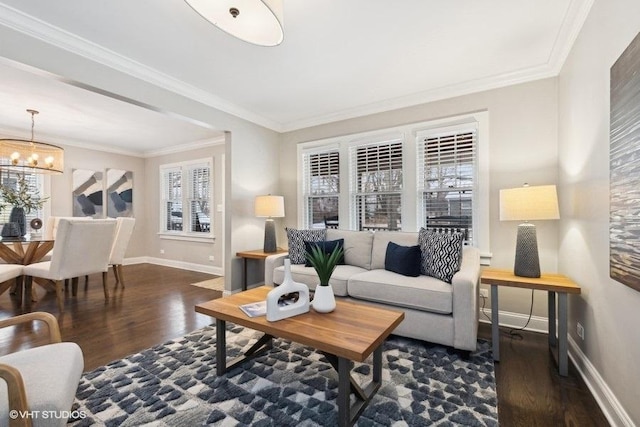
[382, 238]
[403, 260]
[441, 253]
[296, 239]
[421, 293]
[357, 246]
[327, 246]
[308, 276]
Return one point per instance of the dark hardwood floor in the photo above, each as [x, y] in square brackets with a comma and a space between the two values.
[158, 305]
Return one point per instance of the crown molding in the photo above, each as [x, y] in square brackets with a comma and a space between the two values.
[50, 34]
[209, 142]
[574, 19]
[446, 92]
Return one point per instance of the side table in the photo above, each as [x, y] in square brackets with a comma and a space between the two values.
[553, 284]
[257, 254]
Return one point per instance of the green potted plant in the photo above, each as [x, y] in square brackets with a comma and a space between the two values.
[22, 200]
[324, 263]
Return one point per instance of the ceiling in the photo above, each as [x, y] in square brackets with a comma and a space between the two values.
[339, 59]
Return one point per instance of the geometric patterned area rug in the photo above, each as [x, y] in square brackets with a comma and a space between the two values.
[216, 284]
[175, 384]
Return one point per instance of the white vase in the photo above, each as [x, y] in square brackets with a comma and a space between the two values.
[276, 311]
[323, 299]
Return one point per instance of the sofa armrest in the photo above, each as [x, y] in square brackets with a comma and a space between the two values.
[270, 263]
[466, 284]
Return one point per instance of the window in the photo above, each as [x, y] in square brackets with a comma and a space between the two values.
[432, 174]
[446, 180]
[186, 198]
[35, 184]
[321, 171]
[377, 185]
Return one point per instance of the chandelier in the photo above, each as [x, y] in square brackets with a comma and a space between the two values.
[255, 21]
[31, 156]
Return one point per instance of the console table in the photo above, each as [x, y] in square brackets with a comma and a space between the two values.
[553, 284]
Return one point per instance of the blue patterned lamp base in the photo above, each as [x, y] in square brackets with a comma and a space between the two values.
[527, 261]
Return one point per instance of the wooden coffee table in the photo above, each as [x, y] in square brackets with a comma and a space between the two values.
[350, 333]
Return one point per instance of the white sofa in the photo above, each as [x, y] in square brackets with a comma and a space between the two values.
[435, 311]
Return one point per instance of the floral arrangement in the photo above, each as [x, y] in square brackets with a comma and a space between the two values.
[21, 197]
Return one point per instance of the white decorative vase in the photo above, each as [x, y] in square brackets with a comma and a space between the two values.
[323, 299]
[277, 310]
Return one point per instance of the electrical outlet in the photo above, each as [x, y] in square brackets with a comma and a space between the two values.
[580, 331]
[210, 257]
[161, 251]
[484, 293]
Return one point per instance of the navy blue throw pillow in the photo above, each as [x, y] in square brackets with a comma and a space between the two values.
[403, 260]
[327, 246]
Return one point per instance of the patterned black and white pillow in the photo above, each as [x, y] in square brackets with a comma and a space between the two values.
[296, 239]
[441, 254]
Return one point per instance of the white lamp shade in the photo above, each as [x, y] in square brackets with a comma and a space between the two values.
[269, 206]
[529, 203]
[257, 21]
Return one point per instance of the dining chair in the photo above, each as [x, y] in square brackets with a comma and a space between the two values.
[39, 379]
[81, 248]
[124, 230]
[9, 272]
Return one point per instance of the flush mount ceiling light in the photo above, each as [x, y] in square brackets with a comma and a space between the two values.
[254, 21]
[31, 156]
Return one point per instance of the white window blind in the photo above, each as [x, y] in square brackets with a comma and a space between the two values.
[321, 188]
[446, 180]
[377, 185]
[199, 199]
[172, 198]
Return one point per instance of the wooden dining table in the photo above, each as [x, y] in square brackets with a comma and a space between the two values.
[25, 251]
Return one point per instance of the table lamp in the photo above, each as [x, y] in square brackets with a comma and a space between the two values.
[528, 204]
[270, 207]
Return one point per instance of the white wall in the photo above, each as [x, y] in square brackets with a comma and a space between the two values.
[522, 148]
[609, 311]
[183, 251]
[61, 200]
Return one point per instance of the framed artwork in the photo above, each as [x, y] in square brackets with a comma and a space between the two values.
[87, 193]
[624, 158]
[119, 193]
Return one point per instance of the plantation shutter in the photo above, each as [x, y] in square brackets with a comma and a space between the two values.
[199, 198]
[377, 185]
[321, 188]
[446, 174]
[172, 198]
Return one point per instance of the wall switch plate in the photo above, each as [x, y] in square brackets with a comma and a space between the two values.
[210, 257]
[161, 251]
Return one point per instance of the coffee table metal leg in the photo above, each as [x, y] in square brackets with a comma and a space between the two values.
[221, 347]
[344, 392]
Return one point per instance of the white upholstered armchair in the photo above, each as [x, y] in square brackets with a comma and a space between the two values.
[43, 378]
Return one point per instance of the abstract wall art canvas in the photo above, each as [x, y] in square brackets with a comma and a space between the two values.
[119, 193]
[87, 193]
[624, 158]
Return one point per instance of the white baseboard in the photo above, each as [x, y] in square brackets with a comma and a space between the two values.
[176, 264]
[611, 407]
